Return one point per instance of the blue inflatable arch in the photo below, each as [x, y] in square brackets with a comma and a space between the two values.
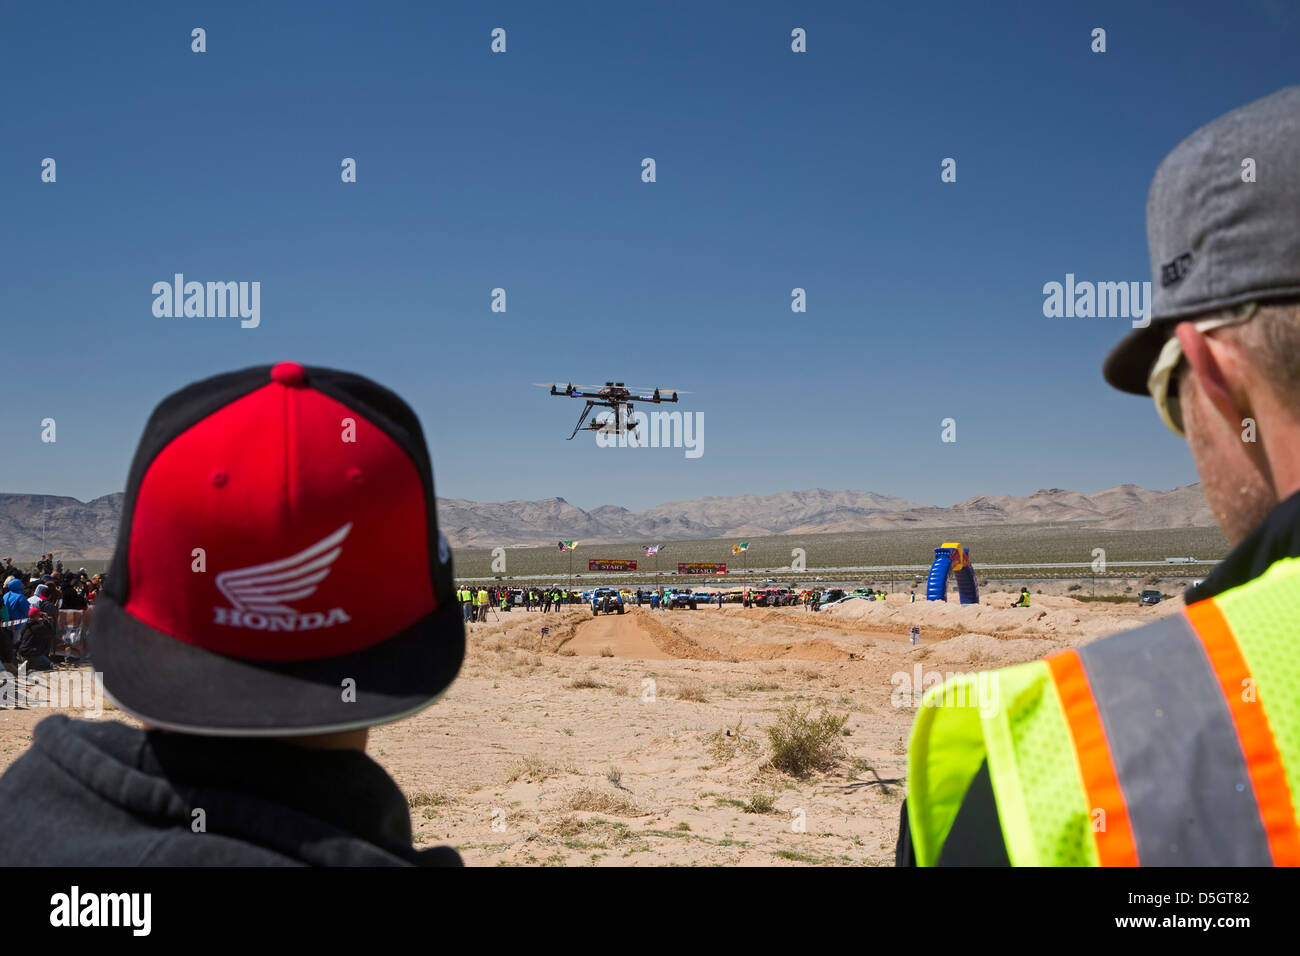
[951, 558]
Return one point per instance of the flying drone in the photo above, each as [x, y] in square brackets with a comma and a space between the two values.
[614, 395]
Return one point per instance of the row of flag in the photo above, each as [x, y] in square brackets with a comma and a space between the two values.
[656, 548]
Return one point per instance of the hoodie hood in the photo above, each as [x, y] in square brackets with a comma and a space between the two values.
[15, 587]
[129, 797]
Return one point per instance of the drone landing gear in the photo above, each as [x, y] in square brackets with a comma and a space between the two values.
[622, 423]
[581, 418]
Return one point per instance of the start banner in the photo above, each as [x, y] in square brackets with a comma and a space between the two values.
[610, 564]
[701, 567]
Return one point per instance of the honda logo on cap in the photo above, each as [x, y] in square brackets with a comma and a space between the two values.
[259, 596]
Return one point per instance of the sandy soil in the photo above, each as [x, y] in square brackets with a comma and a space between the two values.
[640, 738]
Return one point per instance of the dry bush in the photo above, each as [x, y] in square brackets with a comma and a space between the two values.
[591, 800]
[692, 690]
[802, 744]
[537, 768]
[607, 652]
[422, 798]
[729, 742]
[584, 683]
[760, 802]
[592, 829]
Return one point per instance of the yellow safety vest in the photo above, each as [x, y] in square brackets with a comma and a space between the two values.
[482, 596]
[1177, 744]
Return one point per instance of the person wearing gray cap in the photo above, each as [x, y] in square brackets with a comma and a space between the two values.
[1176, 744]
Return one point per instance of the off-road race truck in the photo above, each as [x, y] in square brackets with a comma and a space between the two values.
[680, 598]
[607, 600]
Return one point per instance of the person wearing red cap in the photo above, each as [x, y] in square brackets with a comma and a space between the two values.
[230, 626]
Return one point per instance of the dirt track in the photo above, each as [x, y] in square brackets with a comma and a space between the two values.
[616, 635]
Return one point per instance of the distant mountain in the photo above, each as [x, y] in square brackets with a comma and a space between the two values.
[31, 524]
[89, 529]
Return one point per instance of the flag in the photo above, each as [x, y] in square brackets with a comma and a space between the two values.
[568, 545]
[737, 548]
[652, 548]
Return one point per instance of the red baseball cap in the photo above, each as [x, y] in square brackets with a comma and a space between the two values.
[237, 602]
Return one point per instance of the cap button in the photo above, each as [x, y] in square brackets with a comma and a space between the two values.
[288, 373]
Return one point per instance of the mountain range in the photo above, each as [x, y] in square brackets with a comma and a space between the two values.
[30, 524]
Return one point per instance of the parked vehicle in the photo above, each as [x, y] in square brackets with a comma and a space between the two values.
[1150, 596]
[682, 598]
[773, 597]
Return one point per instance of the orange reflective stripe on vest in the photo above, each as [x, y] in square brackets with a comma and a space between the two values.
[1113, 833]
[1184, 775]
[1263, 762]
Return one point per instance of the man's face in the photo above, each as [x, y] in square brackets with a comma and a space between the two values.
[1234, 479]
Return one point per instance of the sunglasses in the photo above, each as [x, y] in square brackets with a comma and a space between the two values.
[1162, 382]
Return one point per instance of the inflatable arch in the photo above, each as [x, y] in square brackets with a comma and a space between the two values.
[951, 558]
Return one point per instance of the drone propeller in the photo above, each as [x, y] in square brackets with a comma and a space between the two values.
[660, 394]
[661, 389]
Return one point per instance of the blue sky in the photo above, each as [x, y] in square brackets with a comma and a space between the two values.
[522, 170]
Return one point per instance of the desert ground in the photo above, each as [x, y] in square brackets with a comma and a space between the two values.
[641, 739]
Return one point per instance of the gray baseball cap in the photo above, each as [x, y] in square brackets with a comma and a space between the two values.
[1217, 239]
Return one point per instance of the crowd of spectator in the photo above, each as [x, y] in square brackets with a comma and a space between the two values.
[29, 612]
[476, 603]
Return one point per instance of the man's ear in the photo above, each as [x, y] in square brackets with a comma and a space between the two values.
[1217, 369]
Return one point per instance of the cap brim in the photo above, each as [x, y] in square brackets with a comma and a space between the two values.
[177, 686]
[1129, 362]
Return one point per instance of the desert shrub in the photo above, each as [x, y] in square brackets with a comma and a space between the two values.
[802, 743]
[590, 800]
[728, 742]
[426, 799]
[537, 768]
[692, 690]
[760, 802]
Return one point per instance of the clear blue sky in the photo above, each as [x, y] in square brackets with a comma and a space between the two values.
[522, 170]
